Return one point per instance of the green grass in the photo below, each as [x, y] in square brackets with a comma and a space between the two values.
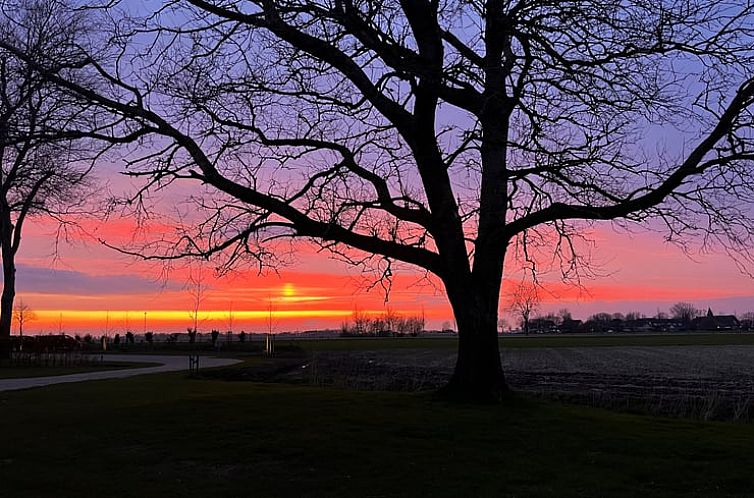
[700, 339]
[532, 341]
[17, 372]
[165, 435]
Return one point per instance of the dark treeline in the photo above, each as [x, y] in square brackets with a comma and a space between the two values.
[681, 317]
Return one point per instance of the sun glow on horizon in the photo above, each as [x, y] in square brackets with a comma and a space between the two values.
[289, 290]
[181, 315]
[73, 321]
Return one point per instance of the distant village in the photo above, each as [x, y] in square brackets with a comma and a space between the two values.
[683, 317]
[636, 322]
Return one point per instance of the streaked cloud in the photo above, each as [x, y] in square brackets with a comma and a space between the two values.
[52, 281]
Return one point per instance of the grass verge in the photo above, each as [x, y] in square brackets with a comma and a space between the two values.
[165, 435]
[533, 341]
[16, 372]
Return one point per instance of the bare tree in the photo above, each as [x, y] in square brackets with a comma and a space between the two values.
[685, 312]
[41, 172]
[272, 322]
[634, 315]
[361, 323]
[448, 136]
[747, 320]
[564, 315]
[197, 290]
[523, 301]
[23, 314]
[230, 318]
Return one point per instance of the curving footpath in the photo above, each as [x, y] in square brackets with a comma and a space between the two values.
[168, 364]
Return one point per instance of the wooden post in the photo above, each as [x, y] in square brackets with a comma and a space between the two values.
[193, 364]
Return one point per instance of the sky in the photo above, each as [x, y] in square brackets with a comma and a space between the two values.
[89, 288]
[84, 286]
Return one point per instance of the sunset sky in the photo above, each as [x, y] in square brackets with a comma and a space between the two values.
[82, 286]
[90, 288]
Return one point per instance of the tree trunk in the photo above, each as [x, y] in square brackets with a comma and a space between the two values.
[478, 375]
[9, 287]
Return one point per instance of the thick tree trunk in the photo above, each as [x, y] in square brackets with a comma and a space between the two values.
[478, 375]
[6, 306]
[8, 295]
[6, 311]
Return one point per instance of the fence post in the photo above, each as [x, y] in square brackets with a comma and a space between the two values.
[193, 364]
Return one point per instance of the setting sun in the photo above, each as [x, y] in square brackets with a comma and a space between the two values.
[289, 290]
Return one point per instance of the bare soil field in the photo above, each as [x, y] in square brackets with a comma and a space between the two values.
[706, 382]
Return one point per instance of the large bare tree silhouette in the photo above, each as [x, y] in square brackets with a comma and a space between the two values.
[43, 171]
[437, 134]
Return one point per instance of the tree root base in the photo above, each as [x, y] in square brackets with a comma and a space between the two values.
[463, 393]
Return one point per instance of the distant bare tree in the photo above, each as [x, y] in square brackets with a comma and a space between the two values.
[23, 314]
[197, 290]
[361, 322]
[684, 312]
[230, 318]
[564, 315]
[747, 320]
[634, 315]
[272, 322]
[41, 172]
[447, 136]
[388, 322]
[523, 300]
[599, 322]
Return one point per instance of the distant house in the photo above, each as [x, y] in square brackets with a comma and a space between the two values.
[571, 326]
[653, 325]
[616, 325]
[666, 324]
[639, 325]
[542, 326]
[715, 322]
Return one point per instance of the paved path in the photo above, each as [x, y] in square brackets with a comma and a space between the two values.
[168, 364]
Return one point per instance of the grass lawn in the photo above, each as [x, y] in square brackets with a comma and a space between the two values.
[446, 343]
[532, 341]
[16, 372]
[166, 435]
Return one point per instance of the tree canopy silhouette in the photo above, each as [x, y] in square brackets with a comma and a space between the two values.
[447, 135]
[42, 172]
